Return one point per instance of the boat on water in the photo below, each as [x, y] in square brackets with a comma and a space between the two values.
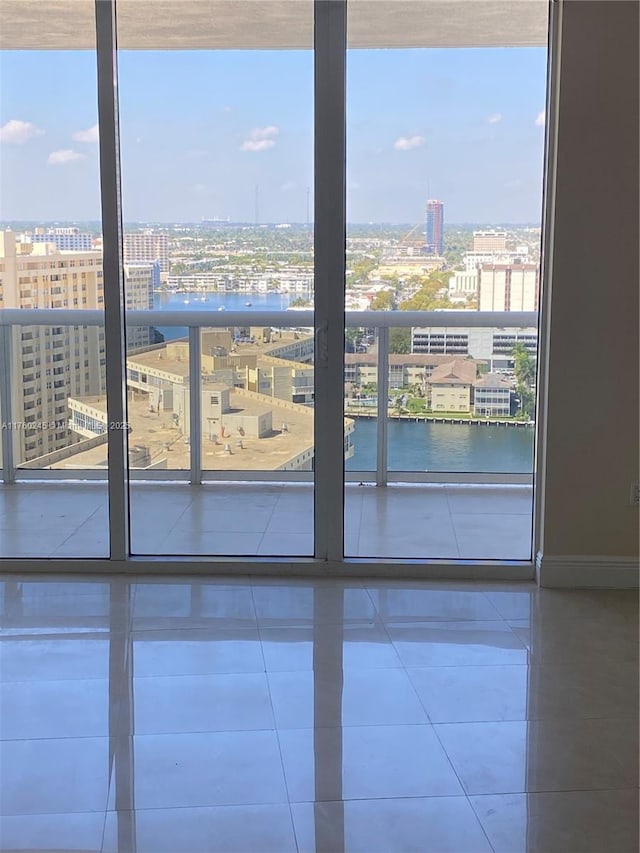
[221, 308]
[186, 301]
[248, 304]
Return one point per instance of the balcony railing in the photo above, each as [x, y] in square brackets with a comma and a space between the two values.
[194, 321]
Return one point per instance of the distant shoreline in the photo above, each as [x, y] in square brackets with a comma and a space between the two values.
[350, 413]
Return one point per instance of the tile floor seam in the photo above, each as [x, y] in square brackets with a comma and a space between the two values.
[450, 760]
[164, 539]
[277, 733]
[104, 825]
[480, 823]
[264, 532]
[453, 523]
[358, 527]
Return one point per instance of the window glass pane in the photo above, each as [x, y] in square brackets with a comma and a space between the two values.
[445, 137]
[53, 373]
[217, 169]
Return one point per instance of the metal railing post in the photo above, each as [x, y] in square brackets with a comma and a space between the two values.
[195, 406]
[6, 409]
[383, 417]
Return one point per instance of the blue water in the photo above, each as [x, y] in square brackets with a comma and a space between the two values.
[413, 446]
[215, 301]
[423, 446]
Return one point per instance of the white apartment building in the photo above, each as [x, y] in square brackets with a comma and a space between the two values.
[491, 396]
[508, 287]
[65, 239]
[146, 246]
[49, 363]
[493, 345]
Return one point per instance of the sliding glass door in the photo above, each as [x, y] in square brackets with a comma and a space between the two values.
[445, 145]
[216, 139]
[300, 320]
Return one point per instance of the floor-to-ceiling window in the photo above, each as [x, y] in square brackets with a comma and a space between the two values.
[242, 245]
[50, 273]
[217, 176]
[445, 150]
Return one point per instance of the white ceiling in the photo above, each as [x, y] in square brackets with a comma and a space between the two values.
[273, 24]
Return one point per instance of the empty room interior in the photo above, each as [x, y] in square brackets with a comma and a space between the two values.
[319, 460]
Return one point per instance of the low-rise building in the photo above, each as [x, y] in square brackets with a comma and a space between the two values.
[463, 284]
[491, 396]
[449, 388]
[405, 369]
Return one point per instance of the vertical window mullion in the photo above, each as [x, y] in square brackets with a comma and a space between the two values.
[329, 238]
[114, 316]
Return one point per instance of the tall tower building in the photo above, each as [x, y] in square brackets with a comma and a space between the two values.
[140, 278]
[434, 227]
[50, 363]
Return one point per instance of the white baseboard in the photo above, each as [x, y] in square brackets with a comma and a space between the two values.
[587, 571]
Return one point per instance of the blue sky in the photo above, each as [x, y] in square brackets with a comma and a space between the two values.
[199, 131]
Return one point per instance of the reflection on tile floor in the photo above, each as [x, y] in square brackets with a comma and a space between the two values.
[147, 715]
[269, 519]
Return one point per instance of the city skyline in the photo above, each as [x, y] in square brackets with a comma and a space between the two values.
[463, 125]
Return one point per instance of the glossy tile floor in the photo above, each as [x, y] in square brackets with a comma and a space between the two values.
[217, 715]
[269, 519]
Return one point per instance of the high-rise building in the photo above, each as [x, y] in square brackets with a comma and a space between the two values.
[434, 227]
[65, 239]
[140, 278]
[50, 363]
[147, 246]
[508, 287]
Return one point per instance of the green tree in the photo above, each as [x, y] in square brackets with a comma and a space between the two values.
[383, 301]
[400, 340]
[523, 365]
[524, 370]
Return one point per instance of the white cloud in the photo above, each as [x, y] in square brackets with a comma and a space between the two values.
[61, 158]
[227, 109]
[199, 188]
[514, 184]
[540, 119]
[16, 132]
[88, 135]
[260, 138]
[406, 143]
[494, 118]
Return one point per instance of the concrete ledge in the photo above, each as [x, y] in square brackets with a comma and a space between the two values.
[587, 571]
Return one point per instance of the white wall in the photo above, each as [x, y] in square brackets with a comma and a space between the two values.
[592, 437]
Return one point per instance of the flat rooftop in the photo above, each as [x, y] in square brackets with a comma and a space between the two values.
[168, 449]
[158, 358]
